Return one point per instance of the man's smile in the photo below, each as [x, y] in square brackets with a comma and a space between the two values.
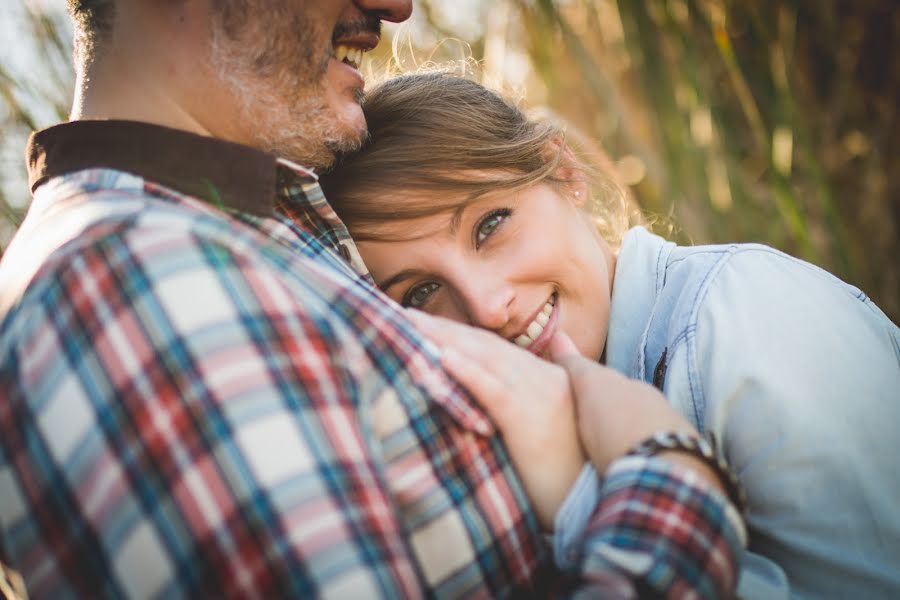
[352, 40]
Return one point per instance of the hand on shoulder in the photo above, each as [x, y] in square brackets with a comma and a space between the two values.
[528, 398]
[550, 413]
[615, 413]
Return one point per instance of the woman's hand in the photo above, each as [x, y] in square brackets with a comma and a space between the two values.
[616, 413]
[529, 399]
[535, 403]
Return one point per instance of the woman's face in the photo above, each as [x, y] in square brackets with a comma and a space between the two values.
[523, 263]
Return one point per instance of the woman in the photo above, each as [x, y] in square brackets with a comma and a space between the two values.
[466, 209]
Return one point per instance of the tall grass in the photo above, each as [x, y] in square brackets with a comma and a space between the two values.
[36, 80]
[770, 121]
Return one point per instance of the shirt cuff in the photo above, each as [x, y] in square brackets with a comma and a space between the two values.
[573, 516]
[667, 479]
[661, 525]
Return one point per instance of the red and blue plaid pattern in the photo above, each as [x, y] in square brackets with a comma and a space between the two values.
[195, 404]
[695, 547]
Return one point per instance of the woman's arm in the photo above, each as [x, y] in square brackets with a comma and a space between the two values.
[662, 524]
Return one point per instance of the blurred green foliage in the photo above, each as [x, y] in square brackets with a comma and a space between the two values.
[770, 121]
[36, 81]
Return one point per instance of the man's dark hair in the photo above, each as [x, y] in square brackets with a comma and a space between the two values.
[93, 21]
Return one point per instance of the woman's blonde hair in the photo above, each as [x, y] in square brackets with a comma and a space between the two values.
[438, 141]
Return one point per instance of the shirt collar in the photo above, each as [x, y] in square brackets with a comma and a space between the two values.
[226, 174]
[640, 275]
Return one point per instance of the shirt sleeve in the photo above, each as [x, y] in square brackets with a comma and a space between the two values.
[202, 435]
[658, 531]
[198, 434]
[573, 517]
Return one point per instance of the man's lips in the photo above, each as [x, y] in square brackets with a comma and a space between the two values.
[351, 49]
[362, 40]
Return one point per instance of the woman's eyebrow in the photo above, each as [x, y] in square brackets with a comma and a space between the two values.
[395, 279]
[456, 219]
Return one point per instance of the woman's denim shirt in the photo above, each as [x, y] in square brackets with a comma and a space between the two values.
[797, 376]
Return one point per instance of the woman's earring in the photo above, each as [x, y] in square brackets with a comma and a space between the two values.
[577, 194]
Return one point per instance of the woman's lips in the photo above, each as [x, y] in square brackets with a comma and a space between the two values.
[542, 328]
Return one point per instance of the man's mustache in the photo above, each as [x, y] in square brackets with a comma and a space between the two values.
[366, 24]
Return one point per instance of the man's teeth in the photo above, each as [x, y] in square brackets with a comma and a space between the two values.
[349, 54]
[536, 327]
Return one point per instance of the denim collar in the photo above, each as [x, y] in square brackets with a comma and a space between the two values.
[640, 275]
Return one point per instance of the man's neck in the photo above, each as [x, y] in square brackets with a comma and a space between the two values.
[109, 92]
[154, 69]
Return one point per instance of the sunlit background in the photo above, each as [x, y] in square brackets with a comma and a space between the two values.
[767, 121]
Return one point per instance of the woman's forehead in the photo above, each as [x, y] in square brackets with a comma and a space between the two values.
[407, 229]
[423, 213]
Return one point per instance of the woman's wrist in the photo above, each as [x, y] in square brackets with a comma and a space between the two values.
[698, 466]
[693, 451]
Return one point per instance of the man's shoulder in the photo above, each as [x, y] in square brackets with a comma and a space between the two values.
[102, 220]
[111, 195]
[84, 200]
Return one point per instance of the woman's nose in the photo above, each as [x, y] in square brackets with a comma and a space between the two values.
[489, 304]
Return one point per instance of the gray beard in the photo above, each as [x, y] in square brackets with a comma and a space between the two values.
[289, 112]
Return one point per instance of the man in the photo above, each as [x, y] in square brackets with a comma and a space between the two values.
[202, 397]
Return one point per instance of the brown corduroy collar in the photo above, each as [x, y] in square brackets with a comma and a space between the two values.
[223, 173]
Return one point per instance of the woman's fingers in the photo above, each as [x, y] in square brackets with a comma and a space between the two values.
[562, 347]
[481, 383]
[472, 357]
[479, 360]
[470, 341]
[529, 399]
[582, 372]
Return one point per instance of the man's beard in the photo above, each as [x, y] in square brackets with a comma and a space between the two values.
[270, 57]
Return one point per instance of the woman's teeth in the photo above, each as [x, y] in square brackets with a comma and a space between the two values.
[350, 55]
[536, 327]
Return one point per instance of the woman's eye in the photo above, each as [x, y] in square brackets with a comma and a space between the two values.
[418, 295]
[489, 224]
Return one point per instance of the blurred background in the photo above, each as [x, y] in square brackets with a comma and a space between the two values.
[767, 121]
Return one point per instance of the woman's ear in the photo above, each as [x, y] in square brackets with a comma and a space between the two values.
[568, 173]
[578, 189]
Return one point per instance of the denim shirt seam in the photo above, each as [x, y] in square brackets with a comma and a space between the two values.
[692, 252]
[690, 335]
[662, 266]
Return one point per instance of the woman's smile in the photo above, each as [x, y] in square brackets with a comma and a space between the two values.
[522, 263]
[541, 329]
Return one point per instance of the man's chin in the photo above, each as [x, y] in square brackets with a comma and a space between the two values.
[351, 123]
[321, 154]
[349, 140]
[317, 135]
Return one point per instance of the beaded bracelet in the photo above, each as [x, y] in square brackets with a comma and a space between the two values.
[698, 447]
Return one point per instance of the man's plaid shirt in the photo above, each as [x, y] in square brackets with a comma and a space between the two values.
[199, 397]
